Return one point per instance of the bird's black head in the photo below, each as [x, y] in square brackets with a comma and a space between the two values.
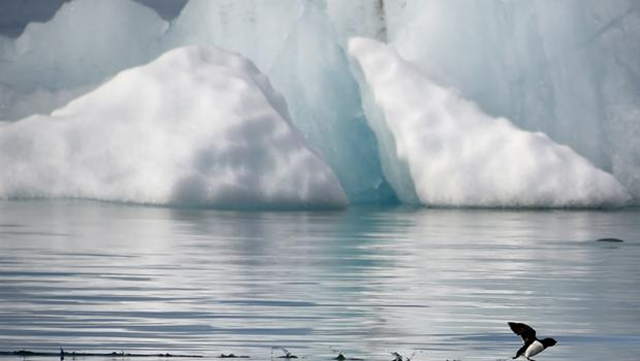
[548, 342]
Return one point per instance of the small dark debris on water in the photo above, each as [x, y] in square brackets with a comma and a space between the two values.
[24, 353]
[230, 355]
[63, 353]
[399, 357]
[610, 240]
[287, 354]
[342, 357]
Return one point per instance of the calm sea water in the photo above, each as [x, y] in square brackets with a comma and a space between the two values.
[98, 277]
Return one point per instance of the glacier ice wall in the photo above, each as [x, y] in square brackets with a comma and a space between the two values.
[198, 126]
[257, 29]
[296, 44]
[443, 150]
[568, 69]
[313, 73]
[85, 43]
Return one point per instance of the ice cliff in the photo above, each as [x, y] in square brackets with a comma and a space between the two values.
[567, 69]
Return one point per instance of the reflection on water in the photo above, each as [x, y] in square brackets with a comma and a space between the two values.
[104, 277]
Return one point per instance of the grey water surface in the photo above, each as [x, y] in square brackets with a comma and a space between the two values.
[100, 277]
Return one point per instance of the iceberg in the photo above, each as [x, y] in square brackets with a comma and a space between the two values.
[566, 69]
[198, 126]
[291, 41]
[441, 149]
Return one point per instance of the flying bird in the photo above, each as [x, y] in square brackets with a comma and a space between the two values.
[532, 346]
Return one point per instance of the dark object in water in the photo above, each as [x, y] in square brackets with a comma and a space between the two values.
[399, 357]
[231, 356]
[62, 353]
[287, 354]
[24, 353]
[610, 240]
[342, 357]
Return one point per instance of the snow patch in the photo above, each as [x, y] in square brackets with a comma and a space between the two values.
[198, 126]
[441, 149]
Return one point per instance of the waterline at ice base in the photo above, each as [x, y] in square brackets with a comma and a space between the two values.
[431, 102]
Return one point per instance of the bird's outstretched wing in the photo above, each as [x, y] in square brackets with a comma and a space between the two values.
[527, 333]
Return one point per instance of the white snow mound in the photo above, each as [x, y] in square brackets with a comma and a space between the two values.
[198, 126]
[441, 149]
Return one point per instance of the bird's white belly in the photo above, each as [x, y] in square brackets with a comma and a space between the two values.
[533, 349]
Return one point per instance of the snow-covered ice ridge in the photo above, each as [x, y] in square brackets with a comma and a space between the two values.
[441, 149]
[566, 69]
[197, 127]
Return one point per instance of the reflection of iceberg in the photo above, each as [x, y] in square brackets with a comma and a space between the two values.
[567, 69]
[198, 126]
[441, 149]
